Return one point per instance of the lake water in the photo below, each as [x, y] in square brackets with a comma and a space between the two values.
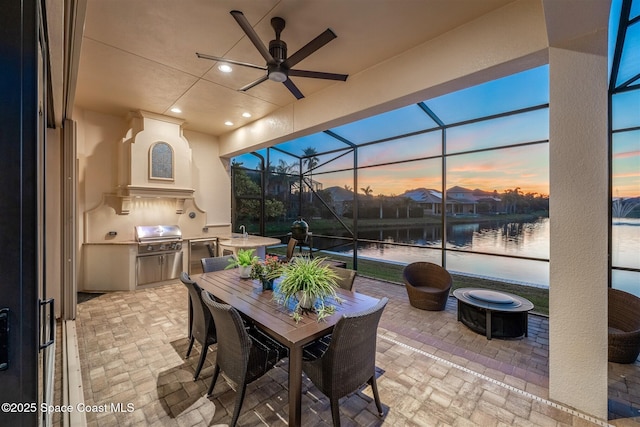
[524, 239]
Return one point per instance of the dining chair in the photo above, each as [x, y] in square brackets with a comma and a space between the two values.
[215, 263]
[243, 354]
[291, 247]
[345, 280]
[350, 359]
[203, 328]
[346, 277]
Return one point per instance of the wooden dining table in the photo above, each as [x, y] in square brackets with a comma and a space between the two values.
[247, 296]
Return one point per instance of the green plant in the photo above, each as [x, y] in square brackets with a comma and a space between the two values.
[308, 280]
[268, 269]
[243, 258]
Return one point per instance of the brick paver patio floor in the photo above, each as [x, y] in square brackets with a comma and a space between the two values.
[433, 371]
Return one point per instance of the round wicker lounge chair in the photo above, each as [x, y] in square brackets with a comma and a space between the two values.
[624, 326]
[427, 285]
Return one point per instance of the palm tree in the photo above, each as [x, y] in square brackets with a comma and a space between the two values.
[284, 167]
[311, 161]
[284, 179]
[368, 191]
[511, 199]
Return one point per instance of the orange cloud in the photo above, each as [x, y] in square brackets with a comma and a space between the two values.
[627, 154]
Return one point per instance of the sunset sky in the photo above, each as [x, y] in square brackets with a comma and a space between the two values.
[500, 169]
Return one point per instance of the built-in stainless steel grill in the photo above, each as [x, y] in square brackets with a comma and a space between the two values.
[159, 253]
[155, 239]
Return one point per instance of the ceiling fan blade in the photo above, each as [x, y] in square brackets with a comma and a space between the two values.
[250, 32]
[318, 75]
[230, 61]
[310, 47]
[293, 89]
[253, 83]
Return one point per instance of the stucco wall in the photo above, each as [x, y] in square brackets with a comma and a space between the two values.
[579, 224]
[99, 137]
[210, 178]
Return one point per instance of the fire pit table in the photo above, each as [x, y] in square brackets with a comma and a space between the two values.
[493, 313]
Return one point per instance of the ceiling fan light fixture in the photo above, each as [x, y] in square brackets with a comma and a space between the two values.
[277, 76]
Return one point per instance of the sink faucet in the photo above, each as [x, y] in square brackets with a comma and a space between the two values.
[244, 231]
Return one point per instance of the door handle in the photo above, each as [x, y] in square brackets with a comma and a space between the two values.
[52, 316]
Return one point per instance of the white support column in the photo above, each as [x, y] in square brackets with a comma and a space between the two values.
[579, 223]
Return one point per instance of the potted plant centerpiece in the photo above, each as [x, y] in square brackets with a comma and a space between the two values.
[244, 261]
[266, 271]
[308, 283]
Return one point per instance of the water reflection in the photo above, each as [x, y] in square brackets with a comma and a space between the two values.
[518, 238]
[510, 238]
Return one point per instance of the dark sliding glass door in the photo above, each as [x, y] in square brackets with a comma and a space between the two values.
[26, 317]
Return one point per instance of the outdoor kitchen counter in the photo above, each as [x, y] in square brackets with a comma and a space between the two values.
[235, 242]
[109, 242]
[108, 266]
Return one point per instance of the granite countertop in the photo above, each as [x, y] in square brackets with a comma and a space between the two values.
[112, 242]
[237, 241]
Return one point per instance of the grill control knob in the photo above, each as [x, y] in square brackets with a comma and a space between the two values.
[149, 248]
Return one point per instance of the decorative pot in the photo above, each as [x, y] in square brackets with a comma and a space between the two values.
[245, 271]
[305, 301]
[267, 284]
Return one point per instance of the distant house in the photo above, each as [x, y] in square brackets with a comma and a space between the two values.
[430, 200]
[464, 200]
[460, 200]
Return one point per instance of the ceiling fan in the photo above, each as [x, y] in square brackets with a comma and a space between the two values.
[278, 68]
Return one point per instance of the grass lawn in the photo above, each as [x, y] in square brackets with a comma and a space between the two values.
[393, 273]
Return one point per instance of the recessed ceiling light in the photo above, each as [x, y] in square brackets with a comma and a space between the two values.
[228, 123]
[225, 68]
[176, 110]
[246, 115]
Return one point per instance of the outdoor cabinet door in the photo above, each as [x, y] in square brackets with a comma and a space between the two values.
[149, 269]
[171, 265]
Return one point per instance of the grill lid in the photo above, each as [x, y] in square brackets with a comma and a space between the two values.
[154, 233]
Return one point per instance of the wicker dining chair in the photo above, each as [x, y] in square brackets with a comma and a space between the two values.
[346, 277]
[291, 247]
[350, 359]
[428, 285]
[345, 280]
[624, 327]
[203, 328]
[215, 263]
[244, 354]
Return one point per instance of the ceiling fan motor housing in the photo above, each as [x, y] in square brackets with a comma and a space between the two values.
[277, 72]
[278, 49]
